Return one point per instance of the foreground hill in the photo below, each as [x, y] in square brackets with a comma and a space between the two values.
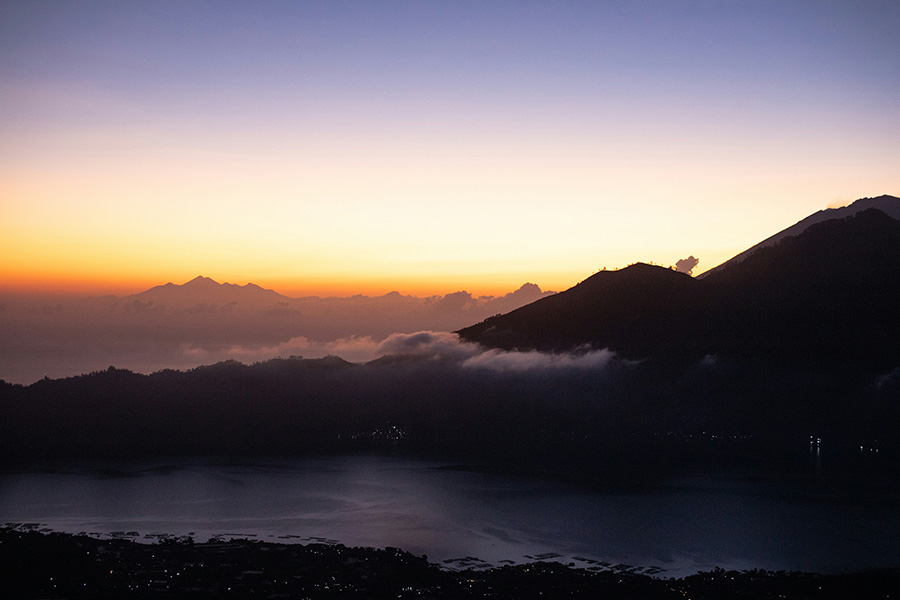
[829, 293]
[638, 311]
[605, 421]
[832, 291]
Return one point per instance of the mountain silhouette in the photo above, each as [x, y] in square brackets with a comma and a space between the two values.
[205, 291]
[637, 311]
[830, 293]
[889, 205]
[799, 338]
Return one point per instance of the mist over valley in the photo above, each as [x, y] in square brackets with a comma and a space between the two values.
[201, 322]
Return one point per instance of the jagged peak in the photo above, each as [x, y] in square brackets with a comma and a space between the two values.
[201, 280]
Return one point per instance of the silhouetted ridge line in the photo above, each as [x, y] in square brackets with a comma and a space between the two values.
[636, 311]
[799, 339]
[830, 290]
[890, 205]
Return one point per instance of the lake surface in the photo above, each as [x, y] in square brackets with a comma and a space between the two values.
[680, 528]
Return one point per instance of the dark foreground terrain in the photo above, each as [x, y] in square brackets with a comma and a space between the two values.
[36, 564]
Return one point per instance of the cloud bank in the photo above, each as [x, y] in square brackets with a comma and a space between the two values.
[438, 346]
[202, 322]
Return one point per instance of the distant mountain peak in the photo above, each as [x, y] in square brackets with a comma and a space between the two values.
[205, 290]
[201, 280]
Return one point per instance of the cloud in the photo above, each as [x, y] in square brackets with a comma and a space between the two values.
[709, 360]
[64, 336]
[352, 349]
[434, 345]
[526, 294]
[463, 306]
[686, 265]
[499, 360]
[455, 303]
[429, 344]
[192, 351]
[448, 346]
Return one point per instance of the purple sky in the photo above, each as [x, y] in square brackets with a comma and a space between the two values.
[428, 146]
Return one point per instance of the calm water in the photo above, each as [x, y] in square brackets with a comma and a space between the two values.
[684, 527]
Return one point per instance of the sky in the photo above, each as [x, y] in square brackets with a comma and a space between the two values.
[335, 148]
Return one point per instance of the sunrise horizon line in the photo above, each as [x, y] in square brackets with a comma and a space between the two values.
[87, 288]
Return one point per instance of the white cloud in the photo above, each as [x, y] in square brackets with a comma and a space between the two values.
[437, 345]
[500, 360]
[353, 349]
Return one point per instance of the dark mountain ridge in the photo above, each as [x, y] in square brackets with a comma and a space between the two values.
[611, 425]
[637, 311]
[889, 205]
[831, 291]
[798, 339]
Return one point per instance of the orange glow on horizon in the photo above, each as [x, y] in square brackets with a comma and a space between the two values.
[368, 149]
[114, 279]
[297, 287]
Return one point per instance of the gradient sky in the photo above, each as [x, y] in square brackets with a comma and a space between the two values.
[425, 147]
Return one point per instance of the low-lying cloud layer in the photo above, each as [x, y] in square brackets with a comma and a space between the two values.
[352, 349]
[202, 322]
[422, 345]
[448, 346]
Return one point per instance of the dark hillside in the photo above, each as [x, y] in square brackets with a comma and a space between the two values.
[799, 339]
[639, 311]
[889, 205]
[828, 294]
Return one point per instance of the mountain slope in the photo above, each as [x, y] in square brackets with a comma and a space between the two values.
[889, 205]
[830, 293]
[637, 311]
[833, 290]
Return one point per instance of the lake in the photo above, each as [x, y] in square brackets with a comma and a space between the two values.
[423, 507]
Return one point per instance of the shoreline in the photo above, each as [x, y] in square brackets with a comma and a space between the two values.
[454, 565]
[47, 564]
